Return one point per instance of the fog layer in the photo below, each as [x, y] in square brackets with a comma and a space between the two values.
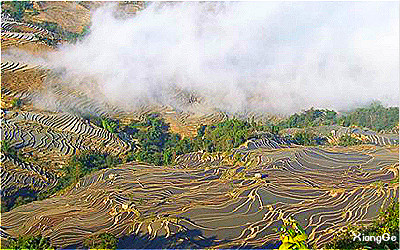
[270, 57]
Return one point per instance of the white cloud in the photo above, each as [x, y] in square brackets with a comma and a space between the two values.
[265, 56]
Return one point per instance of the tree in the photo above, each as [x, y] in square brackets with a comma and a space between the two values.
[309, 118]
[79, 166]
[375, 116]
[348, 140]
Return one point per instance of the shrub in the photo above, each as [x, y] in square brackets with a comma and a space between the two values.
[309, 118]
[347, 140]
[30, 242]
[101, 241]
[22, 196]
[16, 8]
[292, 235]
[7, 149]
[79, 166]
[16, 103]
[111, 126]
[308, 138]
[226, 135]
[387, 222]
[157, 145]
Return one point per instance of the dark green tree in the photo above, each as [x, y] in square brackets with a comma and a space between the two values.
[375, 116]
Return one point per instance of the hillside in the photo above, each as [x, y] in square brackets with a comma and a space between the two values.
[76, 166]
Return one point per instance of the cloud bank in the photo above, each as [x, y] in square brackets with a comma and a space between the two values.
[268, 57]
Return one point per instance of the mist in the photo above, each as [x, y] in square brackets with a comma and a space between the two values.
[240, 56]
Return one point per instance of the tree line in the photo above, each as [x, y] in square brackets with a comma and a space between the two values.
[374, 116]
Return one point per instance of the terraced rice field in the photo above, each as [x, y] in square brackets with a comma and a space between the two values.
[206, 202]
[70, 16]
[52, 137]
[29, 29]
[64, 133]
[16, 175]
